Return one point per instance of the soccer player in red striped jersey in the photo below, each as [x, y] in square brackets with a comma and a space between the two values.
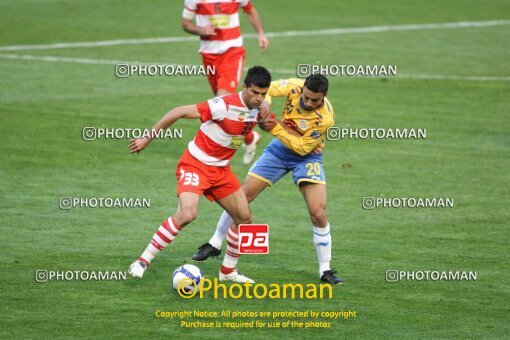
[204, 167]
[221, 46]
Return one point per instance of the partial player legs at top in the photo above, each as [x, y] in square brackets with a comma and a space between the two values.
[221, 92]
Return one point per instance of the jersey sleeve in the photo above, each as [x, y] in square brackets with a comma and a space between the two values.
[246, 5]
[190, 8]
[212, 109]
[205, 111]
[283, 87]
[308, 142]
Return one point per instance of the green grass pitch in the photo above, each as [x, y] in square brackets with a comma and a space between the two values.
[44, 106]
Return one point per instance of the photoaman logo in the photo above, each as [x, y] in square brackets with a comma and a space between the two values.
[253, 291]
[253, 239]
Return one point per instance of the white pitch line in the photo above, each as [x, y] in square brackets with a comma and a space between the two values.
[334, 31]
[443, 77]
[372, 29]
[64, 59]
[278, 71]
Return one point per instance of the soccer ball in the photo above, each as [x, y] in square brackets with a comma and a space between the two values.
[187, 278]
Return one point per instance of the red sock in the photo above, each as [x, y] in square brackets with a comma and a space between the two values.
[226, 270]
[232, 253]
[162, 238]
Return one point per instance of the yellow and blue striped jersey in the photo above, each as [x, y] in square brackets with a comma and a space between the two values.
[311, 125]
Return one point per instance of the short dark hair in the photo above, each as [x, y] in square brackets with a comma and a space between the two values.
[258, 76]
[317, 83]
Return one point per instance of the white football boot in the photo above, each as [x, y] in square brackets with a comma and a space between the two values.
[137, 268]
[235, 276]
[250, 149]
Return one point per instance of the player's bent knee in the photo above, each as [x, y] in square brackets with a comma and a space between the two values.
[244, 219]
[319, 218]
[188, 215]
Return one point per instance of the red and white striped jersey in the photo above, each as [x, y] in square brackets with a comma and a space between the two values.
[225, 122]
[224, 15]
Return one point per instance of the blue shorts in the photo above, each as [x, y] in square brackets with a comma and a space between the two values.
[277, 160]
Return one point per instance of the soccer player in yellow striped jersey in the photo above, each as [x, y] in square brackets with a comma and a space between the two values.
[308, 113]
[297, 148]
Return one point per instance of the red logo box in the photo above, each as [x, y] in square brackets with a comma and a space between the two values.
[253, 238]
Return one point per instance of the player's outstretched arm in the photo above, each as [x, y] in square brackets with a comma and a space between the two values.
[187, 111]
[256, 22]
